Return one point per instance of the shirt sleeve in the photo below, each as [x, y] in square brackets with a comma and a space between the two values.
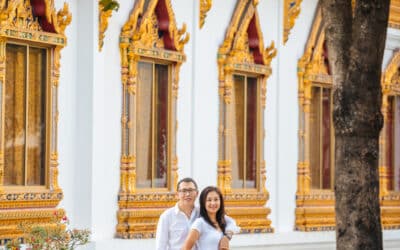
[162, 233]
[198, 225]
[231, 225]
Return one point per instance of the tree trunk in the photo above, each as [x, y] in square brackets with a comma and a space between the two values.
[355, 42]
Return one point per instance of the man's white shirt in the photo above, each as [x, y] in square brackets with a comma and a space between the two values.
[173, 228]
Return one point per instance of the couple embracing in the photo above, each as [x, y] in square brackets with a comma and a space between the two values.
[186, 227]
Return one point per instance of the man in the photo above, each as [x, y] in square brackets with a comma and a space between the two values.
[174, 223]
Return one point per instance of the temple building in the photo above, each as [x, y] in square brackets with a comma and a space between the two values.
[103, 110]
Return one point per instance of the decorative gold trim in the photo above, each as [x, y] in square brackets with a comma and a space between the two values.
[234, 56]
[32, 204]
[315, 218]
[13, 25]
[139, 209]
[104, 15]
[314, 207]
[11, 221]
[205, 6]
[390, 200]
[394, 14]
[291, 11]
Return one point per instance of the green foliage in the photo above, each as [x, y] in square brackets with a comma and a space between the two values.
[109, 5]
[59, 237]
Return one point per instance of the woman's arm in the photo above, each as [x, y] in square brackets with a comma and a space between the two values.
[231, 226]
[191, 239]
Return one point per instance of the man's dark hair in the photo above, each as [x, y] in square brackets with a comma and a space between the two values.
[187, 179]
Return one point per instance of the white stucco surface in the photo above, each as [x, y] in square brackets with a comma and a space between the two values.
[90, 119]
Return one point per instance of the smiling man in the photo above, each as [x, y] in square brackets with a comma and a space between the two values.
[174, 223]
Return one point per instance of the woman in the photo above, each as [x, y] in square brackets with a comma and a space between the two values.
[208, 230]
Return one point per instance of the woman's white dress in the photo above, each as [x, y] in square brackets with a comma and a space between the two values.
[209, 236]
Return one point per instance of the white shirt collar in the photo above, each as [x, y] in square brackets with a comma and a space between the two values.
[194, 210]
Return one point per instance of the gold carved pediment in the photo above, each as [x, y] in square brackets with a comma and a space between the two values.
[18, 14]
[243, 43]
[20, 19]
[152, 25]
[241, 52]
[148, 33]
[313, 65]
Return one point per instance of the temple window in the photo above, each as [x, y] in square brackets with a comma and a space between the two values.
[244, 67]
[152, 127]
[315, 197]
[30, 46]
[244, 132]
[389, 147]
[25, 115]
[322, 138]
[151, 49]
[393, 152]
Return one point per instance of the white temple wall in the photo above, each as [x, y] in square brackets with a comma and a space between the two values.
[90, 119]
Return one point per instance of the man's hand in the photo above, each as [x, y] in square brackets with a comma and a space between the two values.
[224, 243]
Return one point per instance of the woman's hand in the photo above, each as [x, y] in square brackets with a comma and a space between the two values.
[224, 243]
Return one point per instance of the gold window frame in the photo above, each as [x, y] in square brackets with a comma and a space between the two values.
[315, 208]
[32, 204]
[390, 200]
[140, 208]
[247, 206]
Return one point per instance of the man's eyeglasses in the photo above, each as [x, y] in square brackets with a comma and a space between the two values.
[187, 191]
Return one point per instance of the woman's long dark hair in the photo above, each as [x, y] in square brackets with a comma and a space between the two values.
[221, 211]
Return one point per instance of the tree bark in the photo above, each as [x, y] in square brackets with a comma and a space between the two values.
[355, 42]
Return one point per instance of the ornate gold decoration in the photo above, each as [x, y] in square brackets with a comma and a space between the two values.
[28, 204]
[394, 14]
[205, 6]
[104, 15]
[291, 11]
[139, 209]
[11, 220]
[106, 8]
[235, 55]
[315, 208]
[390, 200]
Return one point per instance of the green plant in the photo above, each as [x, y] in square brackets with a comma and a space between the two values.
[109, 5]
[13, 245]
[59, 237]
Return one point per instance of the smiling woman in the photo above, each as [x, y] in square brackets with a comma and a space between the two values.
[213, 224]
